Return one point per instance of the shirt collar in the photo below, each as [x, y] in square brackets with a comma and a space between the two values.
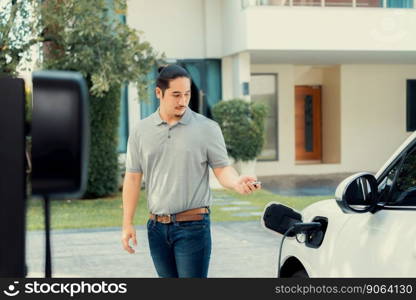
[156, 118]
[186, 118]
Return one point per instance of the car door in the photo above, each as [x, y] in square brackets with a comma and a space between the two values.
[382, 244]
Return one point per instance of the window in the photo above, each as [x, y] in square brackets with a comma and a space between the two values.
[332, 3]
[399, 185]
[369, 3]
[404, 189]
[263, 90]
[411, 105]
[385, 185]
[400, 3]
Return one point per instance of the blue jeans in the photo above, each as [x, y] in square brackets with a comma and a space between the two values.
[180, 249]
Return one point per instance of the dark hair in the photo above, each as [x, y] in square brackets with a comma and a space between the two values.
[168, 73]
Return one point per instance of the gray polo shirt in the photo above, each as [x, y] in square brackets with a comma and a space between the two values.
[174, 160]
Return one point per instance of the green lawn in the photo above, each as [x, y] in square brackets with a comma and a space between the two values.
[107, 212]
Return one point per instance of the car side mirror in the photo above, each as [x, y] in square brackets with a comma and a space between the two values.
[357, 193]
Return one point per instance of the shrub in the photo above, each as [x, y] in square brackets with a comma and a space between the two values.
[103, 167]
[242, 124]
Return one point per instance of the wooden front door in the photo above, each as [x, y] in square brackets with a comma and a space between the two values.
[308, 137]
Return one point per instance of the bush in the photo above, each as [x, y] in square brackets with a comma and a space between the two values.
[242, 125]
[103, 164]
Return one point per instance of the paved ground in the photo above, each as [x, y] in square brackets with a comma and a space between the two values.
[303, 185]
[240, 249]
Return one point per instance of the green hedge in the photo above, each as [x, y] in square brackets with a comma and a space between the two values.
[103, 164]
[242, 124]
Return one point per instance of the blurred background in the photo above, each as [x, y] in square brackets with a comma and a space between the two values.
[328, 88]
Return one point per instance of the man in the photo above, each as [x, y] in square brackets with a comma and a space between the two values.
[173, 148]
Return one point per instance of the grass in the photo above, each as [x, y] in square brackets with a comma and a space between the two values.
[107, 212]
[258, 200]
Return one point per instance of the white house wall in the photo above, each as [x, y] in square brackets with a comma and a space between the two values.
[182, 29]
[315, 28]
[286, 123]
[234, 27]
[174, 27]
[373, 120]
[213, 28]
[331, 114]
[218, 28]
[308, 75]
[364, 105]
[364, 120]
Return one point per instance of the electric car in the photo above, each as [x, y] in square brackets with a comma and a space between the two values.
[368, 230]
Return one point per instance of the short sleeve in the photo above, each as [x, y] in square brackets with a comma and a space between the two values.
[133, 163]
[217, 152]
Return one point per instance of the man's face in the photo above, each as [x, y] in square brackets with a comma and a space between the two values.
[176, 98]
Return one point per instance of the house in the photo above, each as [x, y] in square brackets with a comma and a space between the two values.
[336, 75]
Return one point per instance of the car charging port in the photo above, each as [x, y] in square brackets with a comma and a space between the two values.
[294, 229]
[306, 228]
[315, 238]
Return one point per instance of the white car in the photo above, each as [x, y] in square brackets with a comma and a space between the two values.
[368, 230]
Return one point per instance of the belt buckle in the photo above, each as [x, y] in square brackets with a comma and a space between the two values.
[169, 220]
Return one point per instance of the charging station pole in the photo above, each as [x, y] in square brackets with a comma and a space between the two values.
[12, 178]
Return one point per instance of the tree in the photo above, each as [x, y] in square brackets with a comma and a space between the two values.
[17, 33]
[89, 37]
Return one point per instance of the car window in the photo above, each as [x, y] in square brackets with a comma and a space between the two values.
[386, 184]
[404, 189]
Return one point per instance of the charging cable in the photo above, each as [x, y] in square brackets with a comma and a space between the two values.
[48, 260]
[296, 229]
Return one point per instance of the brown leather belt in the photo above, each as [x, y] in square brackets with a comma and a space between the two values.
[195, 214]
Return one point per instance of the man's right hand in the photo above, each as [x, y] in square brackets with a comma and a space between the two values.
[129, 232]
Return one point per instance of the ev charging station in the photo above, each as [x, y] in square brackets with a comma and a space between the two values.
[59, 156]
